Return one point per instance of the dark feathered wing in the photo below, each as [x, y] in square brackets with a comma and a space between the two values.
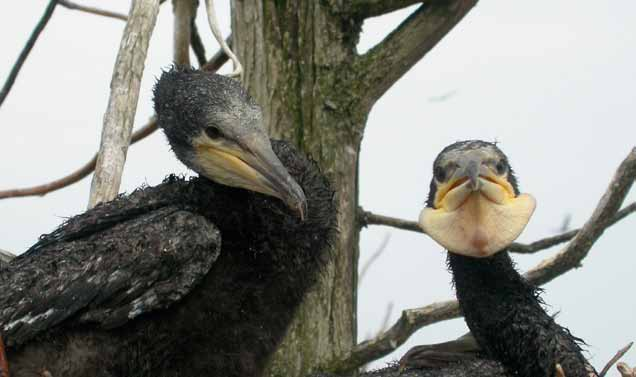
[106, 270]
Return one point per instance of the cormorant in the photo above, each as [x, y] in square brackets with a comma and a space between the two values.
[187, 278]
[474, 209]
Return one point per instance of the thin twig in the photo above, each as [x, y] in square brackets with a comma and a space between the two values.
[92, 10]
[197, 43]
[122, 102]
[414, 319]
[374, 257]
[40, 190]
[619, 354]
[77, 175]
[17, 66]
[368, 218]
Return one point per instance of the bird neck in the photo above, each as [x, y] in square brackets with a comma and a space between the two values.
[491, 279]
[504, 313]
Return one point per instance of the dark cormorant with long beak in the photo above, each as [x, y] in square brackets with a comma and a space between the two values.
[475, 211]
[187, 278]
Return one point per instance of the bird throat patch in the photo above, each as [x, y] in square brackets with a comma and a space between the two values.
[479, 226]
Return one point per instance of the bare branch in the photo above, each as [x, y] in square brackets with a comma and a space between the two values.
[619, 354]
[92, 10]
[214, 64]
[197, 43]
[579, 247]
[122, 104]
[414, 319]
[217, 60]
[17, 66]
[384, 64]
[374, 257]
[183, 16]
[368, 218]
[372, 8]
[75, 176]
[410, 321]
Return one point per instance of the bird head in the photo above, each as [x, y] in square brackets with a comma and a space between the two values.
[215, 128]
[474, 207]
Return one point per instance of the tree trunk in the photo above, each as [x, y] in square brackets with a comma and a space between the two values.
[297, 56]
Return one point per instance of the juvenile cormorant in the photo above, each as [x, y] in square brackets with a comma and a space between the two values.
[475, 211]
[230, 265]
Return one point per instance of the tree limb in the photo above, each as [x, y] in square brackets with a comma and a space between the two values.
[414, 319]
[40, 190]
[572, 255]
[367, 218]
[122, 104]
[197, 44]
[92, 10]
[619, 354]
[372, 8]
[385, 63]
[15, 70]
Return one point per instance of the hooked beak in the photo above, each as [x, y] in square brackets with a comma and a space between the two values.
[476, 211]
[253, 165]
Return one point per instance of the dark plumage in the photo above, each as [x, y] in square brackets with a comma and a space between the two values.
[187, 278]
[503, 311]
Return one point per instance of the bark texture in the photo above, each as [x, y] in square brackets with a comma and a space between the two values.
[297, 57]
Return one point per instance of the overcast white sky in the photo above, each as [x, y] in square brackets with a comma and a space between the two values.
[552, 81]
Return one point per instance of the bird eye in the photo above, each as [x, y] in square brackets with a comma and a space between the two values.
[212, 132]
[500, 167]
[439, 173]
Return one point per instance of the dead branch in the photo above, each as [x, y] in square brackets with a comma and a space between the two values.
[380, 250]
[122, 104]
[372, 8]
[385, 63]
[197, 44]
[366, 218]
[17, 66]
[619, 354]
[385, 343]
[414, 319]
[183, 16]
[601, 218]
[92, 10]
[40, 190]
[77, 175]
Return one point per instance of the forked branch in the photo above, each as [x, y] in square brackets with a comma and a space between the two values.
[92, 10]
[385, 63]
[571, 257]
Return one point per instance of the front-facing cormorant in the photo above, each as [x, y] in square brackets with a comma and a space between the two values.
[474, 209]
[187, 278]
